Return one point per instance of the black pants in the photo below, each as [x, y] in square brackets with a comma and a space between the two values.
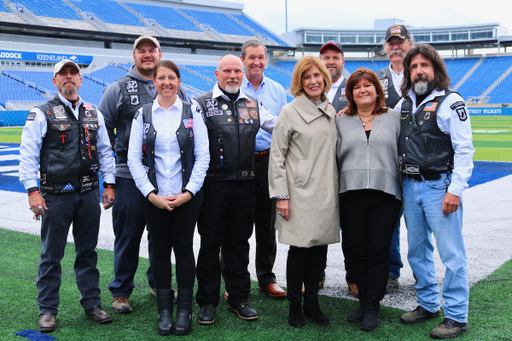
[82, 210]
[304, 266]
[172, 230]
[225, 222]
[368, 218]
[264, 220]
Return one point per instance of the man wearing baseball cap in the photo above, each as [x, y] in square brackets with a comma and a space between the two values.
[331, 54]
[397, 44]
[67, 140]
[120, 101]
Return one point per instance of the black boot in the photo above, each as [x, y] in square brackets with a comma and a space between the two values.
[184, 314]
[295, 317]
[164, 303]
[313, 311]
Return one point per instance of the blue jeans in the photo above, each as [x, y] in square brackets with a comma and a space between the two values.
[424, 217]
[395, 260]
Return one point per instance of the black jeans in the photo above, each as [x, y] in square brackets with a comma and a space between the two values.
[369, 218]
[304, 266]
[264, 220]
[225, 221]
[83, 211]
[173, 230]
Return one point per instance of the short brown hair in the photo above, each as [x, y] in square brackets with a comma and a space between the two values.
[302, 66]
[353, 80]
[168, 64]
[441, 78]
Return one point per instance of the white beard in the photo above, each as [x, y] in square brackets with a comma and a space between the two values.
[421, 88]
[232, 89]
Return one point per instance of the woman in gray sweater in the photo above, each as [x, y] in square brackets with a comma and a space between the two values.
[370, 192]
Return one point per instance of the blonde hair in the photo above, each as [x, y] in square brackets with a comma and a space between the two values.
[304, 65]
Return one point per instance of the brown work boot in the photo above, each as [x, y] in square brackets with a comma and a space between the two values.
[121, 305]
[448, 329]
[47, 323]
[418, 315]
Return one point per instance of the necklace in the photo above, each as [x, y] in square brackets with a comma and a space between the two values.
[365, 123]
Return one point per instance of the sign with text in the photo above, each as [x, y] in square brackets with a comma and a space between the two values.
[497, 111]
[43, 57]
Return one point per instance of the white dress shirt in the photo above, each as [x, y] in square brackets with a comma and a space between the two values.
[168, 166]
[32, 139]
[334, 88]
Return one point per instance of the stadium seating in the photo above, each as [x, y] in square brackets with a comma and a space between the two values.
[353, 65]
[13, 91]
[258, 29]
[8, 16]
[220, 22]
[487, 73]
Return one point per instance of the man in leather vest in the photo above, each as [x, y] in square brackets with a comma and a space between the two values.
[397, 43]
[331, 54]
[68, 139]
[435, 155]
[119, 103]
[226, 219]
[273, 97]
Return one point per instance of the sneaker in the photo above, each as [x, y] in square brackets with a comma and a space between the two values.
[121, 305]
[244, 311]
[392, 284]
[206, 314]
[418, 315]
[448, 329]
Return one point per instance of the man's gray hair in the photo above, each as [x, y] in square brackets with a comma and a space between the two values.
[383, 41]
[253, 43]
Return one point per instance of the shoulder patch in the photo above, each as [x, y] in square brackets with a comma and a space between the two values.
[462, 113]
[457, 104]
[31, 116]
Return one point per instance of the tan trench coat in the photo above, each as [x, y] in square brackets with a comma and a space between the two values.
[303, 167]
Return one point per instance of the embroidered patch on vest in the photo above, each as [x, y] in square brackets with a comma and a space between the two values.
[253, 113]
[431, 106]
[60, 113]
[134, 100]
[132, 86]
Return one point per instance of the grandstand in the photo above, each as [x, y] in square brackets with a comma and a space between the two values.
[194, 33]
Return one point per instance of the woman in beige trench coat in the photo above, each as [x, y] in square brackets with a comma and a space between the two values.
[303, 177]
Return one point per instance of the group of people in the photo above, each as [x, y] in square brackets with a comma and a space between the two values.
[344, 153]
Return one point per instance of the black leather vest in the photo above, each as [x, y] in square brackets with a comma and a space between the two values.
[340, 99]
[423, 147]
[232, 129]
[69, 154]
[134, 96]
[386, 80]
[184, 135]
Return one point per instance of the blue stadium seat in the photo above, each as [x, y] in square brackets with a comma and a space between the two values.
[110, 12]
[51, 9]
[220, 22]
[167, 17]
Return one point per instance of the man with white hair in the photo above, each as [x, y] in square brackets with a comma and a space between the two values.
[226, 219]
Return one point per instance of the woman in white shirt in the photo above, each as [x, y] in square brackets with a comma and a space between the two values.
[168, 157]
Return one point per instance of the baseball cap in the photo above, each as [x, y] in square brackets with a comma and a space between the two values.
[146, 38]
[63, 63]
[399, 31]
[332, 43]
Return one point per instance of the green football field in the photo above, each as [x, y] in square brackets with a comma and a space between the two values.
[492, 136]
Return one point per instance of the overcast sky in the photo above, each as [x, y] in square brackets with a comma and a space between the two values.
[361, 14]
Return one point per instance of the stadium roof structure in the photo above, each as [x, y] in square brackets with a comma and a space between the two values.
[464, 37]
